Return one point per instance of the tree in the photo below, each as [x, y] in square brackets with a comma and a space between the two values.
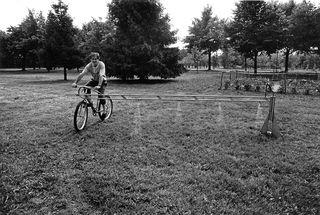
[196, 56]
[317, 39]
[97, 36]
[247, 32]
[205, 33]
[4, 53]
[141, 40]
[305, 28]
[183, 53]
[287, 37]
[36, 53]
[272, 27]
[259, 27]
[59, 47]
[23, 39]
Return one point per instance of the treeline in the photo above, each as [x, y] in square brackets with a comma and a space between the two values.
[257, 29]
[232, 59]
[133, 41]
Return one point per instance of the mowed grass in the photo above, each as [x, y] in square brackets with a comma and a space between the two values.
[154, 157]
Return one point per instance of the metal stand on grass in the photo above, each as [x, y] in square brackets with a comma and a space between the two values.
[269, 128]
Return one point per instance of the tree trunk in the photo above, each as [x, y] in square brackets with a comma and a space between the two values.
[197, 67]
[34, 62]
[209, 57]
[65, 73]
[287, 60]
[24, 59]
[245, 63]
[255, 62]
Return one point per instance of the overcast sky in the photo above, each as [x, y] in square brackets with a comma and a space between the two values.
[181, 12]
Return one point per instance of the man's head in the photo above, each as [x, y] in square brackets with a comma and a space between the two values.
[94, 57]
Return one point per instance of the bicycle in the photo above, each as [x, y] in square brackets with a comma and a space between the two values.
[81, 111]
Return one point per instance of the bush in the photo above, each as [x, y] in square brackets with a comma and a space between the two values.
[294, 86]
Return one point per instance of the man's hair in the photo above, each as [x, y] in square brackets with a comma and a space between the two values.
[94, 54]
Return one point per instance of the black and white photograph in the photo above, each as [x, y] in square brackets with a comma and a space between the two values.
[156, 107]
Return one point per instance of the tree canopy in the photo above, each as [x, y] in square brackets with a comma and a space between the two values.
[248, 32]
[266, 27]
[205, 33]
[304, 26]
[58, 44]
[24, 39]
[141, 39]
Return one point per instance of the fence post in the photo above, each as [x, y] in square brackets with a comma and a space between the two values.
[221, 81]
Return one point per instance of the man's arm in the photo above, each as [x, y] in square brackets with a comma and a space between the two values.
[102, 73]
[80, 76]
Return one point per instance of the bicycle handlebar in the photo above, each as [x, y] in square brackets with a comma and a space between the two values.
[81, 88]
[83, 94]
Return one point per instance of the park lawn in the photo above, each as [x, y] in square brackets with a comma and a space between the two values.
[154, 157]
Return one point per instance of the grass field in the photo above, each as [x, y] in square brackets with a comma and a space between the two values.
[154, 157]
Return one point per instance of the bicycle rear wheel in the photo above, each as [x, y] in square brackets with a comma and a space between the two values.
[81, 116]
[108, 109]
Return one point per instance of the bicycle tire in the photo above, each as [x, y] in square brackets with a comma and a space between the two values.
[109, 109]
[80, 116]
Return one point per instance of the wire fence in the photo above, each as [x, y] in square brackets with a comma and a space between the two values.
[306, 83]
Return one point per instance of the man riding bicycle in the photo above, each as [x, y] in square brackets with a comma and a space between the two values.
[98, 72]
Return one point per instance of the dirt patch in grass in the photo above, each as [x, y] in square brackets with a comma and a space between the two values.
[154, 157]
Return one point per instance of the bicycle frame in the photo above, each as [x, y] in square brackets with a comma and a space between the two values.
[104, 110]
[86, 97]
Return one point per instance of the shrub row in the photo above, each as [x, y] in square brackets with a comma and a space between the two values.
[294, 86]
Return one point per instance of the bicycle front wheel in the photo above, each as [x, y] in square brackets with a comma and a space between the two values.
[108, 106]
[81, 116]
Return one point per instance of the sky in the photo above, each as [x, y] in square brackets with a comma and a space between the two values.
[181, 12]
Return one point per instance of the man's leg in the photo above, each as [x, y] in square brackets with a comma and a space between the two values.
[103, 101]
[102, 90]
[90, 83]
